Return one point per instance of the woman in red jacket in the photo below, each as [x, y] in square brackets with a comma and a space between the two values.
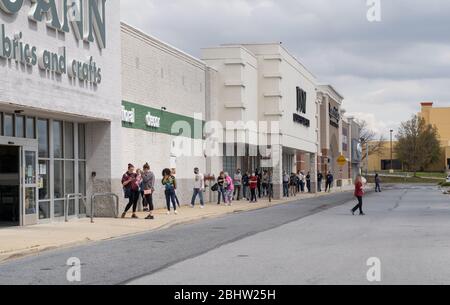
[359, 193]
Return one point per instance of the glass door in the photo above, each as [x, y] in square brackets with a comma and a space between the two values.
[29, 171]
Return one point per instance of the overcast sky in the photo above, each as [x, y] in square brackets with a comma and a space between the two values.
[384, 69]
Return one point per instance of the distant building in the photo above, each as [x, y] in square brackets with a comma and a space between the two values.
[440, 118]
[436, 116]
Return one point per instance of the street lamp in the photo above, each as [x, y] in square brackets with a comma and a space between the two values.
[392, 158]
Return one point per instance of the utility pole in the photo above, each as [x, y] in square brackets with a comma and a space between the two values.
[367, 160]
[392, 154]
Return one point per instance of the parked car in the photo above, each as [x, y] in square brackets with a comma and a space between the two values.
[448, 179]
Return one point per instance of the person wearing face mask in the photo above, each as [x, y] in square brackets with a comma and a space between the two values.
[199, 187]
[130, 184]
[237, 185]
[253, 187]
[148, 185]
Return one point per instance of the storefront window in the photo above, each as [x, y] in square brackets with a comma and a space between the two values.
[44, 210]
[30, 167]
[59, 180]
[57, 139]
[82, 141]
[82, 184]
[43, 138]
[20, 126]
[44, 180]
[58, 208]
[8, 125]
[30, 129]
[69, 141]
[30, 201]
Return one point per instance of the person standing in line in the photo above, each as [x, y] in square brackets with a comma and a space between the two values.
[130, 184]
[148, 183]
[170, 184]
[253, 187]
[293, 184]
[259, 176]
[199, 188]
[308, 182]
[286, 179]
[329, 182]
[237, 185]
[359, 193]
[270, 182]
[377, 183]
[139, 173]
[319, 181]
[265, 184]
[245, 185]
[229, 189]
[221, 188]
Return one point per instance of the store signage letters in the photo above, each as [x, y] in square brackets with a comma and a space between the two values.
[335, 116]
[152, 121]
[301, 120]
[128, 116]
[74, 12]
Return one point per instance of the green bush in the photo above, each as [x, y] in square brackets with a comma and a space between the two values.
[445, 184]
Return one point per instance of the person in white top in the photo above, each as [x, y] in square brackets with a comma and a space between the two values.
[199, 187]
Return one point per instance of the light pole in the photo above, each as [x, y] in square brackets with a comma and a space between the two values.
[392, 156]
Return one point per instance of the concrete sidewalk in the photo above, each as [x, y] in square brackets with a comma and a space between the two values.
[17, 242]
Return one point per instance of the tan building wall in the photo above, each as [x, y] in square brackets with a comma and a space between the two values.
[384, 155]
[439, 117]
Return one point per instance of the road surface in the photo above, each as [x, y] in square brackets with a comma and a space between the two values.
[314, 241]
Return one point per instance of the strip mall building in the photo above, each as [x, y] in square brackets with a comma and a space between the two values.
[80, 98]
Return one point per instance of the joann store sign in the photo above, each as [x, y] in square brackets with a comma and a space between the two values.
[87, 20]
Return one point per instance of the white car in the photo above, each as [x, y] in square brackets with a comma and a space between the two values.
[448, 179]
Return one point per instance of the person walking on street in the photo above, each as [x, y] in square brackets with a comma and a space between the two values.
[319, 181]
[286, 179]
[199, 187]
[308, 182]
[148, 184]
[245, 185]
[170, 184]
[253, 187]
[237, 185]
[359, 193]
[221, 188]
[130, 184]
[329, 182]
[377, 183]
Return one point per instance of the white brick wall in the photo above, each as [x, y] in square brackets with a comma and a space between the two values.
[156, 75]
[49, 95]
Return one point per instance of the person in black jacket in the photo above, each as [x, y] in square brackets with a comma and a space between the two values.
[319, 182]
[329, 184]
[308, 182]
[245, 185]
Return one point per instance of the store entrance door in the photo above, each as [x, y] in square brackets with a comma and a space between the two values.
[18, 182]
[9, 186]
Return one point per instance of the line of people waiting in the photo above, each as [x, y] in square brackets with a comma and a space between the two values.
[294, 184]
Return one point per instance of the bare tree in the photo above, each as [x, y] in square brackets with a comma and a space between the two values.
[418, 144]
[368, 136]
